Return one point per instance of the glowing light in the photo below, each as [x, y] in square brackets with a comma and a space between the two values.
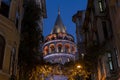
[79, 66]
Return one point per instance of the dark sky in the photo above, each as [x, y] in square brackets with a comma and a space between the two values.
[67, 9]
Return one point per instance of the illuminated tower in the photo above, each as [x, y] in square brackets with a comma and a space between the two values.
[59, 46]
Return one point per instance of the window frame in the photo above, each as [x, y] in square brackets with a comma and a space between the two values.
[101, 6]
[110, 62]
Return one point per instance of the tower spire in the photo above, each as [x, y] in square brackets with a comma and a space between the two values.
[58, 26]
[58, 10]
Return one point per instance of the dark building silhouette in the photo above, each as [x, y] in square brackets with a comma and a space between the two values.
[98, 30]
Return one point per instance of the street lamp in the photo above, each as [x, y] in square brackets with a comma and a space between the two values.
[79, 66]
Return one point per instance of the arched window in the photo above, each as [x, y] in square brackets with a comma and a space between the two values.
[73, 49]
[59, 48]
[2, 47]
[46, 50]
[52, 48]
[67, 48]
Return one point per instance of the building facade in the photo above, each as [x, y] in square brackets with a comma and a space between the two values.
[99, 40]
[10, 25]
[78, 19]
[114, 9]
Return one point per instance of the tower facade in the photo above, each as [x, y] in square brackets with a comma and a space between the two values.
[59, 47]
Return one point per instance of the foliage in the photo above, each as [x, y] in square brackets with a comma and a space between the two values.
[71, 71]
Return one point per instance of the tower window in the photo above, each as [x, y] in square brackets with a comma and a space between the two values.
[52, 47]
[46, 50]
[67, 48]
[2, 47]
[101, 5]
[110, 62]
[59, 49]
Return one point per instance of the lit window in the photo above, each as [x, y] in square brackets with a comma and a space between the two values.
[110, 61]
[101, 5]
[67, 48]
[46, 50]
[52, 47]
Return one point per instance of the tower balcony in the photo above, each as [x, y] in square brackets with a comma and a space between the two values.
[59, 51]
[61, 58]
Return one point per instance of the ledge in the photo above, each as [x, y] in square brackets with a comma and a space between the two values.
[8, 23]
[4, 74]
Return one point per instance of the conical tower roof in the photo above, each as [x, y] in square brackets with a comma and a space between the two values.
[58, 26]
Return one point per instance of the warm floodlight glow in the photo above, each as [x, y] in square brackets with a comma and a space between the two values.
[79, 66]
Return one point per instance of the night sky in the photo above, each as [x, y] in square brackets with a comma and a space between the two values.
[67, 9]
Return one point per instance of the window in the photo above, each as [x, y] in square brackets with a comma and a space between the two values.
[67, 49]
[52, 49]
[101, 5]
[73, 49]
[105, 31]
[110, 61]
[2, 47]
[5, 5]
[46, 50]
[59, 49]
